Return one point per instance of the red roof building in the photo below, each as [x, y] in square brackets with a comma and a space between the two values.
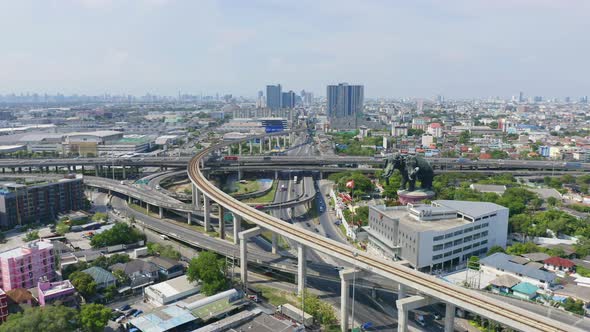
[559, 264]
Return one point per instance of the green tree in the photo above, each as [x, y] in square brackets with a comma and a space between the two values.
[582, 247]
[321, 311]
[464, 137]
[552, 201]
[84, 283]
[121, 233]
[163, 250]
[110, 292]
[495, 249]
[473, 263]
[122, 278]
[31, 236]
[209, 269]
[50, 318]
[62, 228]
[575, 306]
[99, 216]
[94, 317]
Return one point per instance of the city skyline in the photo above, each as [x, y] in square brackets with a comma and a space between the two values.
[458, 49]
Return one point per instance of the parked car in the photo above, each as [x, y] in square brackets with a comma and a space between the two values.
[123, 308]
[131, 312]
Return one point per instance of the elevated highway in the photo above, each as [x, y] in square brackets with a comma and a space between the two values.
[427, 285]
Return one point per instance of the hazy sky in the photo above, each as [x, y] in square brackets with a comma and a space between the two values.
[466, 48]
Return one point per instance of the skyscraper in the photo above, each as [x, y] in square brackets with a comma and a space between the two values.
[288, 99]
[345, 102]
[274, 97]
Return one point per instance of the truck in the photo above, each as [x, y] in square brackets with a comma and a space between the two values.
[294, 313]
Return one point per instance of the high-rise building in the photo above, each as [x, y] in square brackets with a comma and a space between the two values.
[21, 204]
[521, 97]
[274, 97]
[23, 267]
[288, 99]
[306, 97]
[345, 103]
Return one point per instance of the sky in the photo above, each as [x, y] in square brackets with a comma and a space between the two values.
[418, 48]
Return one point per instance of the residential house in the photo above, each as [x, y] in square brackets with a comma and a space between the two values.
[140, 273]
[169, 268]
[102, 277]
[503, 284]
[559, 264]
[525, 291]
[532, 272]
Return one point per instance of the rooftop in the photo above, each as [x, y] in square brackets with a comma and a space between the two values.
[525, 288]
[163, 319]
[473, 209]
[504, 262]
[174, 286]
[25, 249]
[100, 275]
[402, 213]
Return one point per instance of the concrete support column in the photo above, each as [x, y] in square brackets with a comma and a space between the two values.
[449, 317]
[207, 213]
[128, 199]
[124, 171]
[161, 212]
[401, 291]
[261, 144]
[147, 207]
[406, 304]
[240, 174]
[269, 143]
[237, 227]
[344, 303]
[244, 236]
[95, 170]
[250, 144]
[221, 219]
[301, 269]
[189, 218]
[240, 149]
[196, 195]
[276, 175]
[82, 167]
[275, 242]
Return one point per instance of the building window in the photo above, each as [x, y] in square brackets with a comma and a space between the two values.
[467, 238]
[437, 247]
[477, 227]
[438, 238]
[448, 253]
[448, 244]
[459, 232]
[448, 235]
[456, 251]
[435, 257]
[469, 229]
[484, 233]
[457, 242]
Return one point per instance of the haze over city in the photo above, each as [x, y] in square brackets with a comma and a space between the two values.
[460, 49]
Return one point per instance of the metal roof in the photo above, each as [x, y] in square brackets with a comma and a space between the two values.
[163, 319]
[503, 262]
[473, 209]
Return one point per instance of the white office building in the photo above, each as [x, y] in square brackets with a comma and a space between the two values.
[437, 236]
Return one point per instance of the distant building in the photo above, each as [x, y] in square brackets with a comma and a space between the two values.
[437, 236]
[288, 99]
[435, 129]
[399, 131]
[274, 97]
[170, 291]
[22, 267]
[345, 104]
[102, 277]
[21, 204]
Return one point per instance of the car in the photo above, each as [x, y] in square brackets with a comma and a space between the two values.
[120, 318]
[259, 207]
[137, 313]
[116, 316]
[131, 312]
[123, 308]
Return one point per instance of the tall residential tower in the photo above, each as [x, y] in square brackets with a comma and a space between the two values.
[345, 103]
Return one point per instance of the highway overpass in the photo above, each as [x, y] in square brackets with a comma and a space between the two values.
[431, 288]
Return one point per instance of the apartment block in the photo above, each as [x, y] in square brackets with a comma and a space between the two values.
[25, 204]
[24, 266]
[438, 236]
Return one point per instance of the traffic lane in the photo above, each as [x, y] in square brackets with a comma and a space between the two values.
[198, 239]
[328, 219]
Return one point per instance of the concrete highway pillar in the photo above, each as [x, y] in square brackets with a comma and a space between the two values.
[276, 175]
[406, 304]
[221, 219]
[196, 195]
[20, 169]
[207, 213]
[401, 291]
[124, 171]
[128, 199]
[449, 317]
[275, 242]
[240, 174]
[269, 143]
[301, 269]
[250, 143]
[82, 168]
[95, 170]
[344, 302]
[237, 226]
[147, 207]
[30, 169]
[244, 236]
[240, 149]
[3, 170]
[261, 144]
[189, 216]
[161, 212]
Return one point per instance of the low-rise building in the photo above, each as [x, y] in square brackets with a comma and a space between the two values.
[525, 291]
[559, 264]
[22, 267]
[170, 291]
[532, 272]
[49, 292]
[168, 268]
[102, 277]
[437, 236]
[140, 273]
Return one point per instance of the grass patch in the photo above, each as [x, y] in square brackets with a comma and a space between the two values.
[282, 242]
[276, 297]
[248, 187]
[269, 197]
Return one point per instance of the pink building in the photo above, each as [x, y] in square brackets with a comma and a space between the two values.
[3, 306]
[48, 292]
[23, 267]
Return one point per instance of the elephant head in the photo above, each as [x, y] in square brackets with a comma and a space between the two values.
[412, 167]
